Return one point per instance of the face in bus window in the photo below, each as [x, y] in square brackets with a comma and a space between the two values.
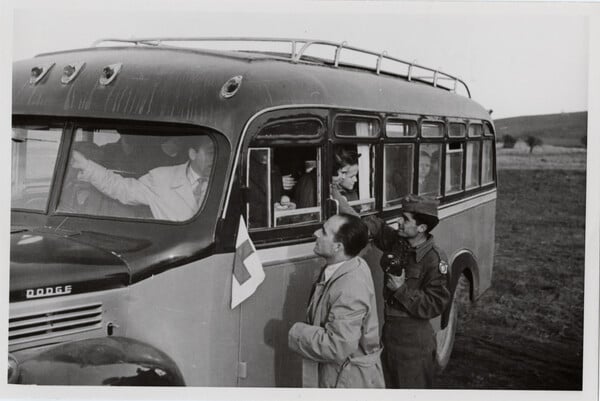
[201, 156]
[424, 166]
[347, 177]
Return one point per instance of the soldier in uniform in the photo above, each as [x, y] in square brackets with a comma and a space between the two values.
[416, 290]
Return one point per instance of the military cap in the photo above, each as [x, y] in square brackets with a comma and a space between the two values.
[423, 206]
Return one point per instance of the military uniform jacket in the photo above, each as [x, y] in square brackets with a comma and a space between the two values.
[425, 293]
[342, 329]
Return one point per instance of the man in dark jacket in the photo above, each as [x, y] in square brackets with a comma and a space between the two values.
[416, 290]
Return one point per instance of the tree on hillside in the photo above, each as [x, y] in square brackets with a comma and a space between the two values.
[508, 141]
[532, 142]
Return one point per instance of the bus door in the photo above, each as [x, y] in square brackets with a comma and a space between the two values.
[283, 175]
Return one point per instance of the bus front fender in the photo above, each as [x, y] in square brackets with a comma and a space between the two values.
[111, 361]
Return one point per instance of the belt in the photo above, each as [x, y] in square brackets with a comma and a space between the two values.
[394, 308]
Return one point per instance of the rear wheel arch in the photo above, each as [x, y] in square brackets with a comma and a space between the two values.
[463, 265]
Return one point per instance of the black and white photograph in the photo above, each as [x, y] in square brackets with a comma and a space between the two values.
[300, 200]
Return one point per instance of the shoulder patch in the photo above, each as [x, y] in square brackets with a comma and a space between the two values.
[443, 267]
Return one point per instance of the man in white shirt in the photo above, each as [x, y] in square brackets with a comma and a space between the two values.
[172, 192]
[341, 334]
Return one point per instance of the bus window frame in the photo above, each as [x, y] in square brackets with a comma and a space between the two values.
[289, 234]
[390, 119]
[433, 120]
[455, 121]
[72, 124]
[377, 149]
[340, 116]
[59, 164]
[414, 179]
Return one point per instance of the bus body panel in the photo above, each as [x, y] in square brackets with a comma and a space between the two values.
[186, 312]
[105, 306]
[471, 230]
[181, 86]
[284, 294]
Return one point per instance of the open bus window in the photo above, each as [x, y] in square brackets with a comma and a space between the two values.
[131, 173]
[487, 162]
[353, 175]
[472, 173]
[430, 157]
[454, 163]
[398, 167]
[284, 186]
[34, 154]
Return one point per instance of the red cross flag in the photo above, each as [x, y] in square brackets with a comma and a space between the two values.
[248, 272]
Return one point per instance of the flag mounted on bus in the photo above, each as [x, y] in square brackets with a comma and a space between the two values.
[248, 271]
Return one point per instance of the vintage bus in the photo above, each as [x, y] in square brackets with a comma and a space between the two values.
[109, 292]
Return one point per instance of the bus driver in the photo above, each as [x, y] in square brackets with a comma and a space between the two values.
[172, 192]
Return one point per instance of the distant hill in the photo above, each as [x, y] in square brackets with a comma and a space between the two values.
[563, 129]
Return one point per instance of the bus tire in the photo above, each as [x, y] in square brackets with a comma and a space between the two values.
[445, 338]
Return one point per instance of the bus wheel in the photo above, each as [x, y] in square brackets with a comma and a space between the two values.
[445, 338]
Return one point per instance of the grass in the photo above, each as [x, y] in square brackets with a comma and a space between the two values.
[526, 332]
[562, 129]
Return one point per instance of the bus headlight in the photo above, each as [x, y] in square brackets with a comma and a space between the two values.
[13, 369]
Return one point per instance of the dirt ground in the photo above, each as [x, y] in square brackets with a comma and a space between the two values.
[526, 332]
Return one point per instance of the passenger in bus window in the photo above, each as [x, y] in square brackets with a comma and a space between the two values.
[343, 183]
[428, 175]
[305, 191]
[415, 290]
[168, 151]
[172, 192]
[340, 339]
[126, 156]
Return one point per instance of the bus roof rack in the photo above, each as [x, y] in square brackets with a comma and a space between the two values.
[299, 48]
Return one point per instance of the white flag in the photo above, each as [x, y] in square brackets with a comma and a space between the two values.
[248, 271]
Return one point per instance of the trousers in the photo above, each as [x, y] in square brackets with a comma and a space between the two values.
[408, 356]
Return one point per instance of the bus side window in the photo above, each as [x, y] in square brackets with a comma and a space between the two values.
[472, 173]
[273, 204]
[430, 157]
[398, 168]
[487, 162]
[354, 175]
[454, 163]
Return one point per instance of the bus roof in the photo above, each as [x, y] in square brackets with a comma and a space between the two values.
[180, 85]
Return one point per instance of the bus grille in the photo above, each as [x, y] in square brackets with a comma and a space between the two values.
[59, 322]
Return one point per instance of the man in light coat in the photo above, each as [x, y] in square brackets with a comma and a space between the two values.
[172, 192]
[341, 335]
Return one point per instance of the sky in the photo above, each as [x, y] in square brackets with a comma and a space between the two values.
[517, 60]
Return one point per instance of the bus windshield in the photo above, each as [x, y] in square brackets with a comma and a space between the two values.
[34, 154]
[129, 173]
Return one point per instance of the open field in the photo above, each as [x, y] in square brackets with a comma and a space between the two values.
[542, 158]
[526, 332]
[562, 129]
